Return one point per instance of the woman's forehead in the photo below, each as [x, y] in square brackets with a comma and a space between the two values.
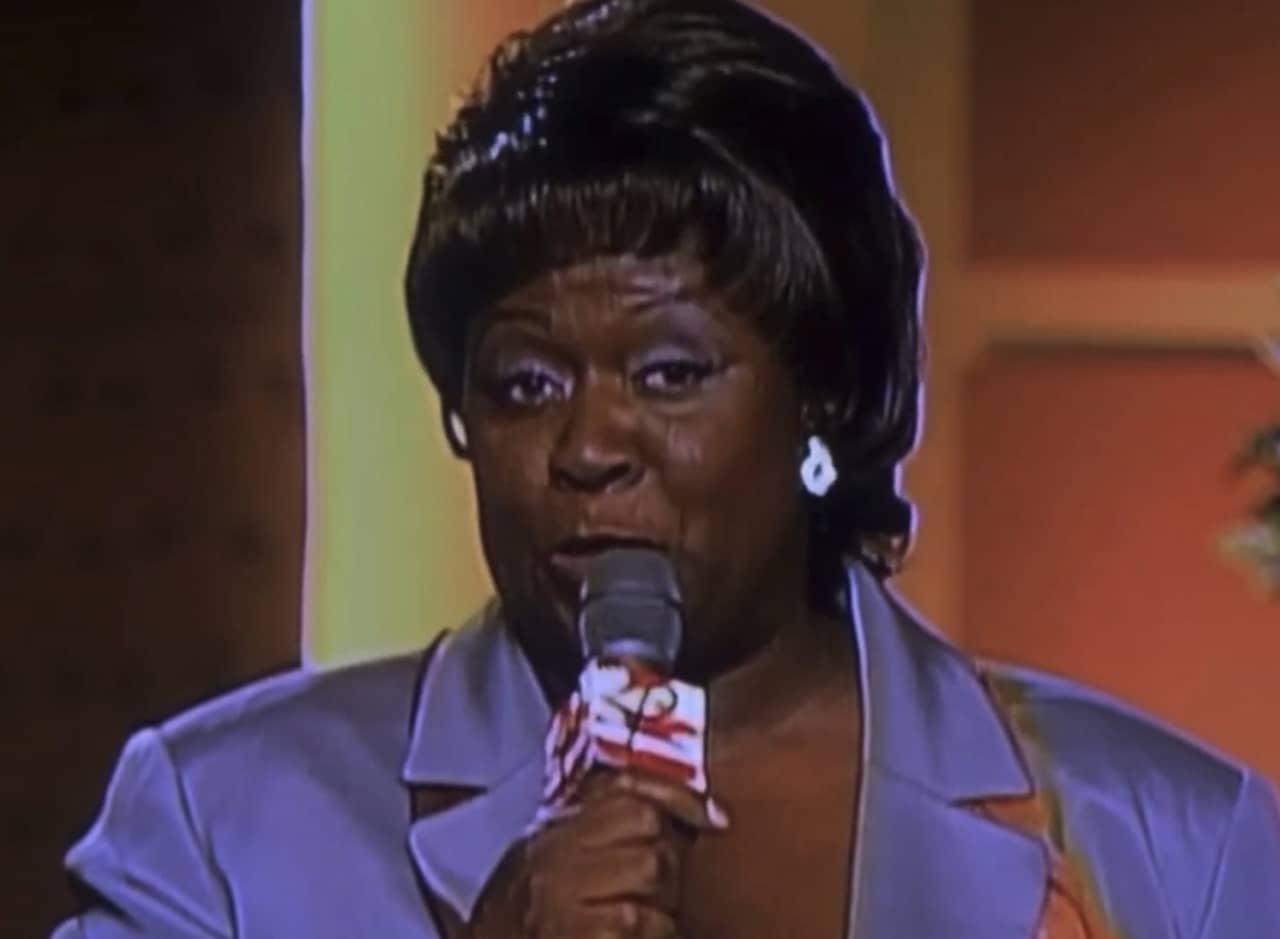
[670, 292]
[627, 279]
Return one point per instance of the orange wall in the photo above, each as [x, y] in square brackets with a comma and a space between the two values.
[1135, 131]
[1095, 489]
[1118, 181]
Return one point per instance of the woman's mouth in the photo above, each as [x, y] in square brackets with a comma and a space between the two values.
[568, 560]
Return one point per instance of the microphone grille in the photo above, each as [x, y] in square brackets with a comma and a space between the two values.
[631, 607]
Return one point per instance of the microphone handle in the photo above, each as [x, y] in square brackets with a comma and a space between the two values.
[625, 715]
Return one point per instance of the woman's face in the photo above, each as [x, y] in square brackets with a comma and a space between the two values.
[619, 401]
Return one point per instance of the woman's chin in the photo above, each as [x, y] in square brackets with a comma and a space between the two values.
[547, 629]
[557, 600]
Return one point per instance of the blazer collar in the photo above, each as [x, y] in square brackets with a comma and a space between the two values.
[928, 719]
[480, 712]
[924, 864]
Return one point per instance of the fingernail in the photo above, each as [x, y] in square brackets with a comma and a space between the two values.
[716, 813]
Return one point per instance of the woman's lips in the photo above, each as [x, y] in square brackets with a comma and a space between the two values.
[566, 573]
[569, 560]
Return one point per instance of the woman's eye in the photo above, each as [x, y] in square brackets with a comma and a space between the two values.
[676, 376]
[529, 388]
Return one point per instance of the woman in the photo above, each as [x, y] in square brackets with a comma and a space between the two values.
[669, 298]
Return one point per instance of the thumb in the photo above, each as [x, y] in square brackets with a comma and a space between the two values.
[702, 813]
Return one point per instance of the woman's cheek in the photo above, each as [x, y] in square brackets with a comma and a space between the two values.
[509, 460]
[688, 450]
[508, 497]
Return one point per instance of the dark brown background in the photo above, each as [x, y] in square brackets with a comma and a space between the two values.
[151, 425]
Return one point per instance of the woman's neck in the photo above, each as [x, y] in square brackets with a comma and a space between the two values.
[802, 665]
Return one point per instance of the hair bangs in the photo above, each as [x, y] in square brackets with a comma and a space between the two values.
[505, 222]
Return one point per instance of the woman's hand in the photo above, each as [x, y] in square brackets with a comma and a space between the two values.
[612, 869]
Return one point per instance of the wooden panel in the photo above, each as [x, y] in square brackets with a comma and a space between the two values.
[1095, 490]
[151, 424]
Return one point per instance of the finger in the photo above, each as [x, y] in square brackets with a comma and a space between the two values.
[626, 851]
[648, 874]
[609, 819]
[624, 920]
[702, 813]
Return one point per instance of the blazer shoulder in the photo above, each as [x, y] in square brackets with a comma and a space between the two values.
[1207, 824]
[370, 702]
[211, 813]
[1098, 741]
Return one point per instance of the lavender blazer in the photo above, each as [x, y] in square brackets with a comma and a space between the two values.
[282, 809]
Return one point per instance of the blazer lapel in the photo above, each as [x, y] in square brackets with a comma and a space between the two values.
[479, 724]
[925, 865]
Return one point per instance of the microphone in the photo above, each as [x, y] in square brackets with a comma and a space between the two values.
[628, 711]
[631, 608]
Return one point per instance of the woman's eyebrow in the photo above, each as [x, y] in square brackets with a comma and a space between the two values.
[521, 313]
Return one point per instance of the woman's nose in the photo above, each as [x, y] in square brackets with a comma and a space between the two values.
[596, 448]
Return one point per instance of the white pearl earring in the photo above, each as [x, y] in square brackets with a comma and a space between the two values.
[818, 471]
[457, 430]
